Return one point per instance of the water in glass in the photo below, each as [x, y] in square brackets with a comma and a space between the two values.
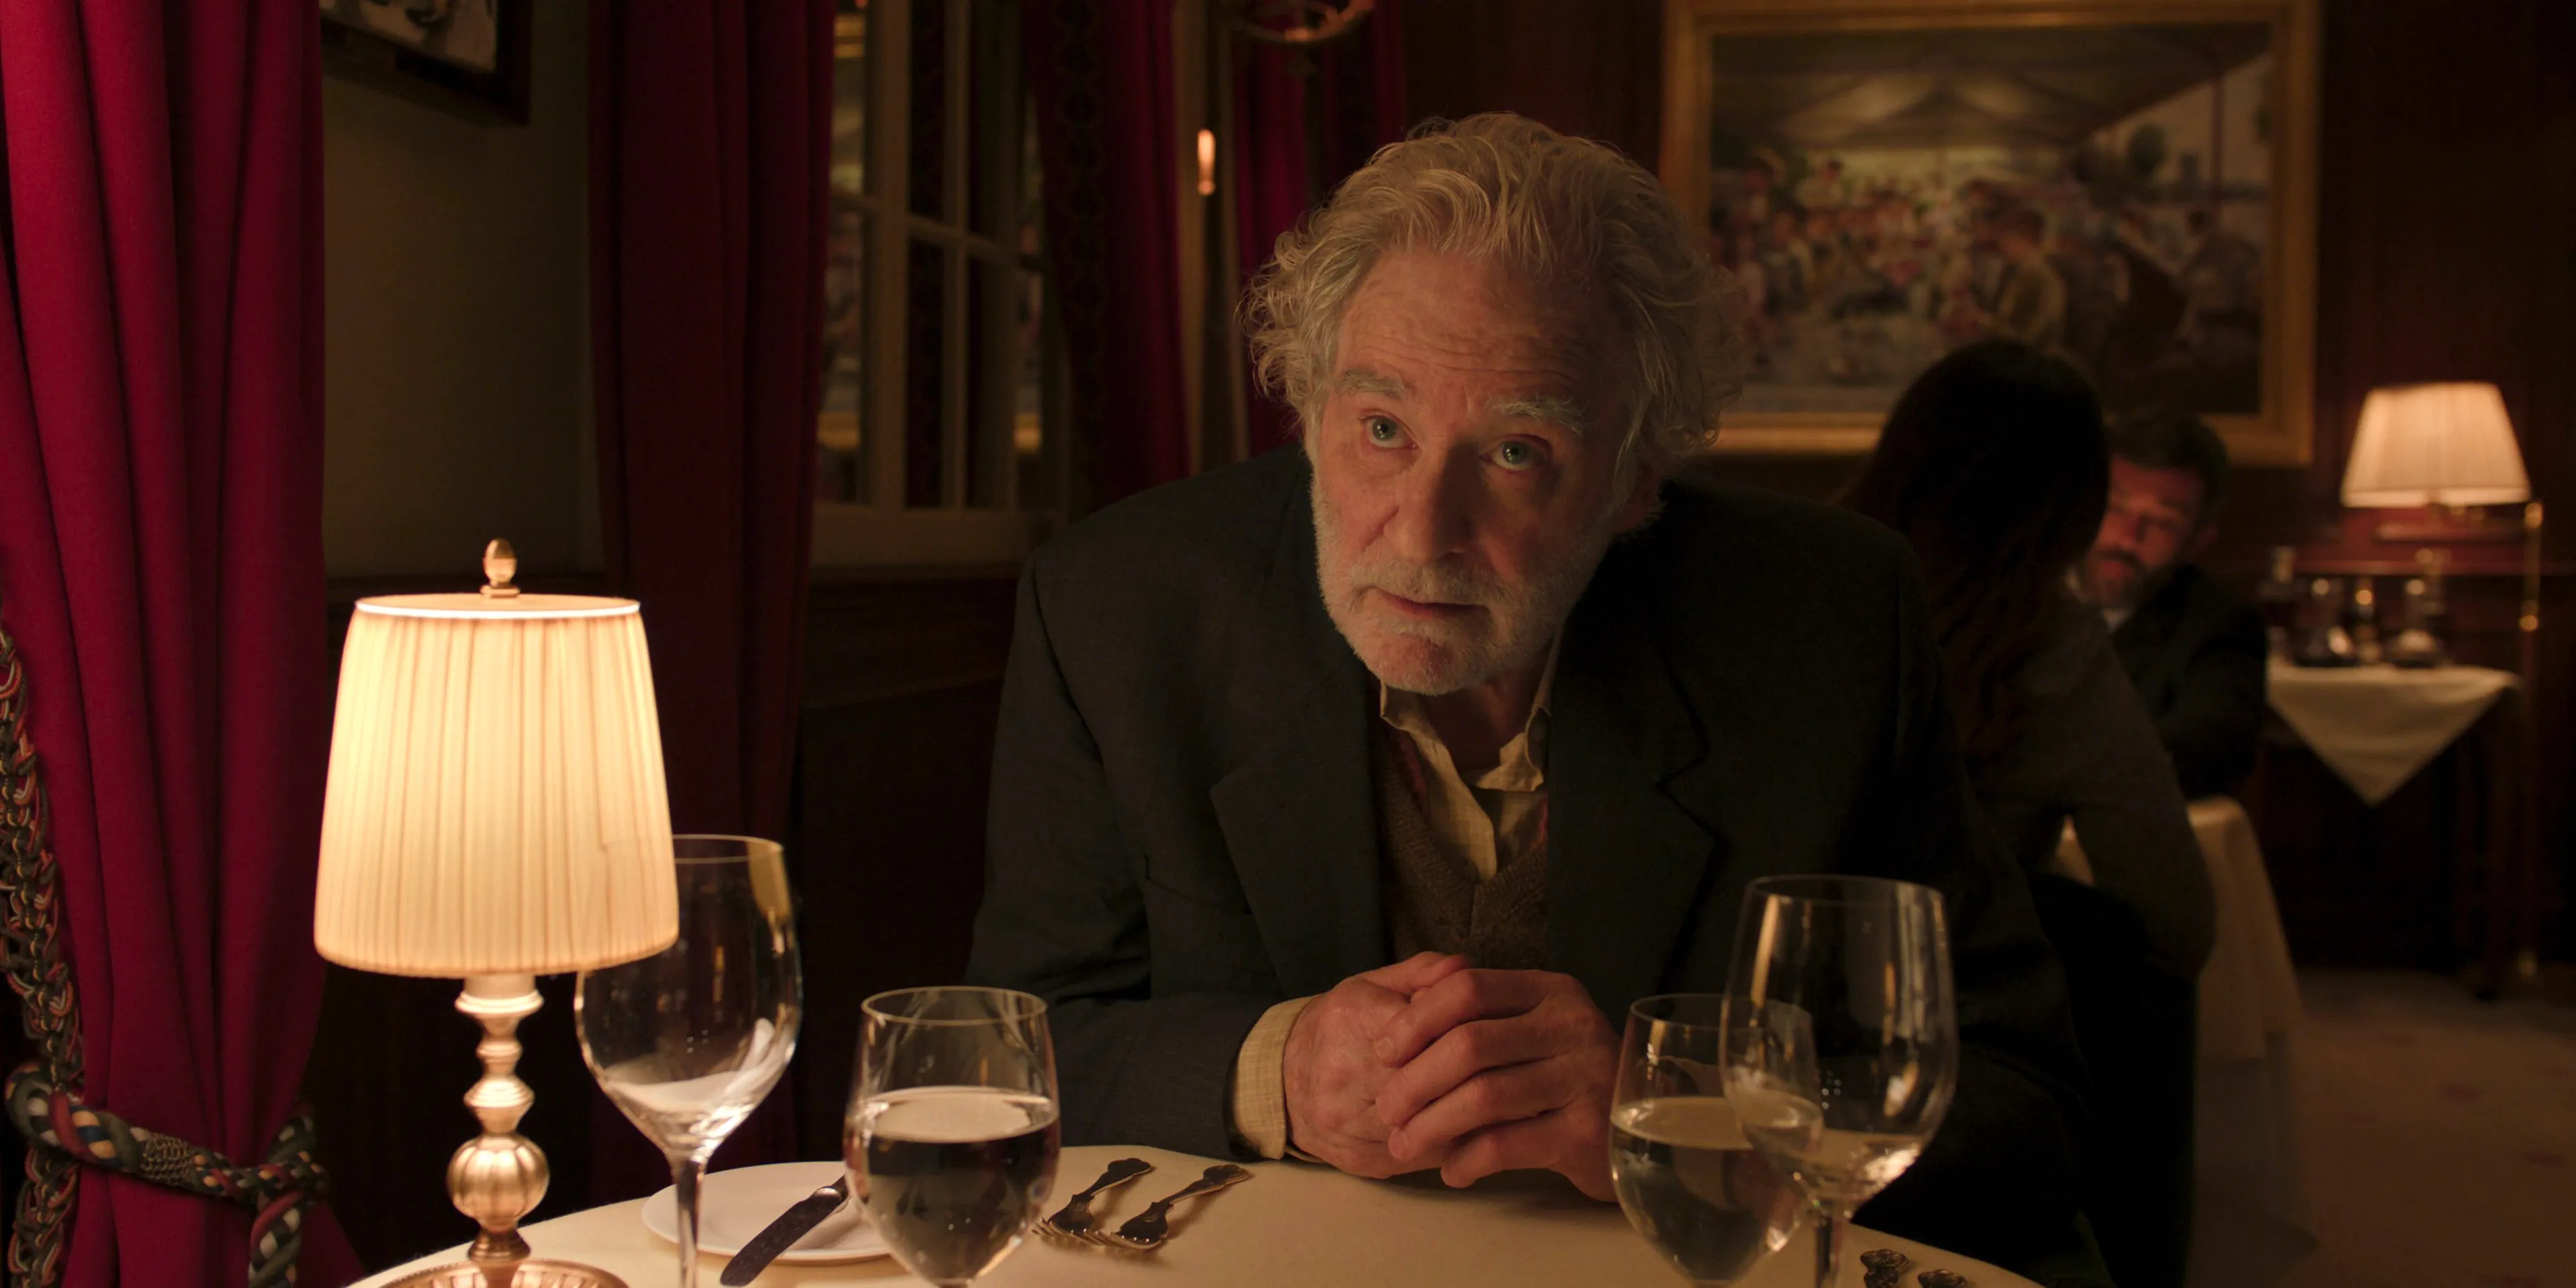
[1841, 989]
[952, 1133]
[1687, 1176]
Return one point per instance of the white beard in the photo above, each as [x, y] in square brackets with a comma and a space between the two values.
[1514, 628]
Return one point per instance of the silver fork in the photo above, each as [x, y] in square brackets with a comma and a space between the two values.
[1149, 1228]
[1073, 1220]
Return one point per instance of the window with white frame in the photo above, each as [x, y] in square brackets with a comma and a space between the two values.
[936, 445]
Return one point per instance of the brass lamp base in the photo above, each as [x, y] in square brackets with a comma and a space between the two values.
[499, 1177]
[525, 1274]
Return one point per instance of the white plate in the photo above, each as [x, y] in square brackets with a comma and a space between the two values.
[735, 1204]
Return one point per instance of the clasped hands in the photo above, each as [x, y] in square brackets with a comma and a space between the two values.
[1432, 1063]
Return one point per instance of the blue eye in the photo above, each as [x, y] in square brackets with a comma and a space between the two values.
[1517, 455]
[1382, 431]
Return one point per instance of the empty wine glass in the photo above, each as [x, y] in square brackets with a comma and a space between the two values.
[1687, 1177]
[1851, 1037]
[951, 1136]
[689, 1040]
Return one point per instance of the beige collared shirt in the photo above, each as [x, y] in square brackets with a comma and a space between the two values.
[1488, 823]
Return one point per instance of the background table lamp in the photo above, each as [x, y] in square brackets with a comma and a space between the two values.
[2439, 445]
[2447, 446]
[485, 749]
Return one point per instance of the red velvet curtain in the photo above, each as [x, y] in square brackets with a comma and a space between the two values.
[710, 133]
[161, 567]
[1304, 119]
[1101, 74]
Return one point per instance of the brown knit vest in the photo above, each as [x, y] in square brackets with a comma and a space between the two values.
[1434, 900]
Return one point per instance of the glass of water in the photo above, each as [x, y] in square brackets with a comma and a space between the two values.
[952, 1132]
[1852, 1046]
[689, 1040]
[1687, 1176]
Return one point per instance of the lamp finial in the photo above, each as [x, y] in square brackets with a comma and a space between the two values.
[501, 565]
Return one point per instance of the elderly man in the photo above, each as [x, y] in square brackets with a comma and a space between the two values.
[2194, 648]
[1344, 799]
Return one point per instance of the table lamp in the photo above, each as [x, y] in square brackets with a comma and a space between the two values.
[2444, 446]
[2447, 446]
[486, 749]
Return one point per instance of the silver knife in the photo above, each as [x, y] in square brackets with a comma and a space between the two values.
[780, 1234]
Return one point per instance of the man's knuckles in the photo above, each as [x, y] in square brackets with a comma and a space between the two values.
[1480, 1045]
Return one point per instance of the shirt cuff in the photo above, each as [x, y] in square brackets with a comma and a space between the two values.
[1260, 1105]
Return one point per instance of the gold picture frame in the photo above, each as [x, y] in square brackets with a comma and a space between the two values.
[2005, 154]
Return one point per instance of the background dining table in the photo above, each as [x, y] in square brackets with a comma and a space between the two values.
[1291, 1224]
[2249, 1209]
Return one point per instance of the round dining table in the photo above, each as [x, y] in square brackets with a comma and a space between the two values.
[1291, 1224]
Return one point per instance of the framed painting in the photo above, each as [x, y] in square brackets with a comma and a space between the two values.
[468, 57]
[2129, 184]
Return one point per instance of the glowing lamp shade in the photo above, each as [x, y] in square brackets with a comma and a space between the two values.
[2439, 444]
[485, 752]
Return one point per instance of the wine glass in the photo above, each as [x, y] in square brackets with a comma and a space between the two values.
[689, 1040]
[1851, 1043]
[1687, 1177]
[951, 1135]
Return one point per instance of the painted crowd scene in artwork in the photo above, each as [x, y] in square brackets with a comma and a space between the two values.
[2104, 193]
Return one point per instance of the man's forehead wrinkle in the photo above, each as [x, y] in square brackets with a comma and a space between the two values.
[1512, 349]
[1365, 380]
[1373, 363]
[1544, 407]
[1526, 333]
[1538, 369]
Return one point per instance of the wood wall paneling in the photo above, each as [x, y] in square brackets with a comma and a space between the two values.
[1594, 69]
[894, 754]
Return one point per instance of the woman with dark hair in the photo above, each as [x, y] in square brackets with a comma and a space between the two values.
[1994, 466]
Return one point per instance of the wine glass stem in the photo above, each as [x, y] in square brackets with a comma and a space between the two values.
[1831, 1225]
[685, 1172]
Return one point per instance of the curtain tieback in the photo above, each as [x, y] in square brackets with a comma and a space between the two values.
[279, 1189]
[61, 1129]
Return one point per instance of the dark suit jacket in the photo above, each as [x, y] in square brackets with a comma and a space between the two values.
[2196, 652]
[1182, 829]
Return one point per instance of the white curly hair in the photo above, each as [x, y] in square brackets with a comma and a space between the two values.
[1553, 209]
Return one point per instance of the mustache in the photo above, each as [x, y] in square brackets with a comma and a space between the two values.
[2121, 557]
[1427, 583]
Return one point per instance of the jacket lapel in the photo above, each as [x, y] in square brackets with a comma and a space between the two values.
[1299, 816]
[1625, 860]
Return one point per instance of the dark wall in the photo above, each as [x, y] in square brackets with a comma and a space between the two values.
[2446, 249]
[903, 680]
[1593, 68]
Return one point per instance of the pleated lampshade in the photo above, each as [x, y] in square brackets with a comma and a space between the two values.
[2435, 444]
[485, 753]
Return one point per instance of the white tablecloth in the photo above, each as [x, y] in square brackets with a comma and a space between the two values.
[2249, 1209]
[2375, 726]
[2249, 1214]
[1293, 1225]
